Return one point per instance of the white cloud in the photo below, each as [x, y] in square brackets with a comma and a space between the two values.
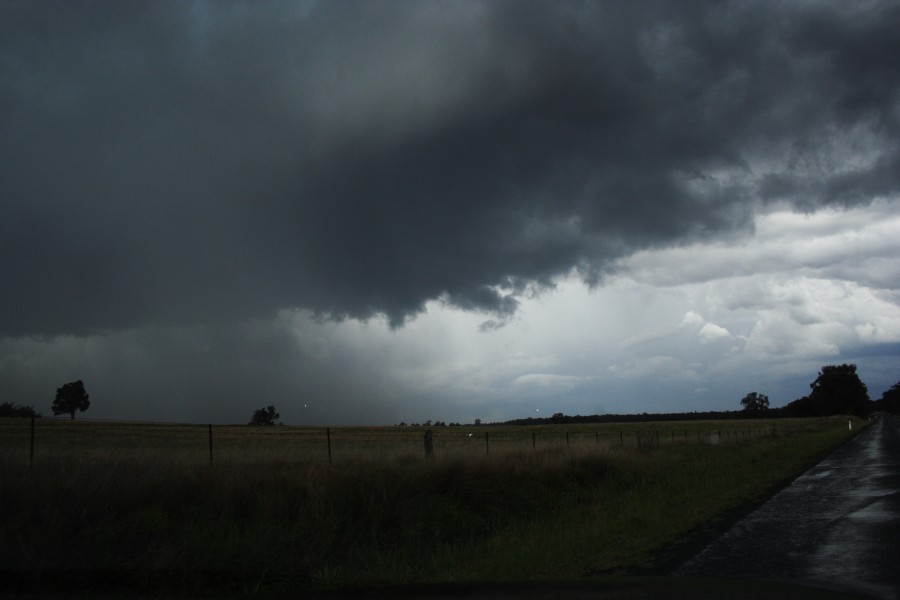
[821, 317]
[855, 244]
[692, 318]
[658, 337]
[712, 332]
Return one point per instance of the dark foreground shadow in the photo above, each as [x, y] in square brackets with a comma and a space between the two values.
[110, 584]
[614, 588]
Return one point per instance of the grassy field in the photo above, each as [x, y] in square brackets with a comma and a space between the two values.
[121, 504]
[191, 444]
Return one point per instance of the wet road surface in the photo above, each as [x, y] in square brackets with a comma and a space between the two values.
[837, 525]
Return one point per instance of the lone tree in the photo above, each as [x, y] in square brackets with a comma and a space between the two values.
[70, 398]
[755, 403]
[265, 416]
[838, 391]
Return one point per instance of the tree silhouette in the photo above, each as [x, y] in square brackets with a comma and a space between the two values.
[890, 400]
[70, 398]
[839, 391]
[265, 416]
[8, 409]
[801, 407]
[755, 402]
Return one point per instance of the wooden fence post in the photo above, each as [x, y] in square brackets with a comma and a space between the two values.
[31, 458]
[429, 444]
[328, 439]
[209, 430]
[533, 442]
[487, 442]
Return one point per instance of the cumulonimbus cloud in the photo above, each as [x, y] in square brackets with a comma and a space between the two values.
[172, 163]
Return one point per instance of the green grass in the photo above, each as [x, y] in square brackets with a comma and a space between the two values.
[273, 515]
[642, 516]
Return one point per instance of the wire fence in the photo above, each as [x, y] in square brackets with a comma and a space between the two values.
[41, 439]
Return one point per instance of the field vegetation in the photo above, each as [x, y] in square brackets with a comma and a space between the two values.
[142, 506]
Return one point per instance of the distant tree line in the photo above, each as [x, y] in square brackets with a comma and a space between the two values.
[563, 419]
[837, 390]
[8, 409]
[890, 400]
[428, 423]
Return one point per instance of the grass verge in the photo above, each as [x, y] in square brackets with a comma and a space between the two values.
[643, 517]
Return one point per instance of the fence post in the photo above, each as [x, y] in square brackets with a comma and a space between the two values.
[328, 439]
[567, 438]
[487, 442]
[429, 444]
[621, 439]
[533, 442]
[31, 456]
[209, 429]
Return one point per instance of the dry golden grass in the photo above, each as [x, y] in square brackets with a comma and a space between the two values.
[272, 514]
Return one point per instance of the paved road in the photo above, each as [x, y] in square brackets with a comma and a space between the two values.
[837, 525]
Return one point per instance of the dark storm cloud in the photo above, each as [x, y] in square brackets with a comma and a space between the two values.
[190, 162]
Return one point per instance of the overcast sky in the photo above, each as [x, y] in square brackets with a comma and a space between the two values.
[374, 212]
